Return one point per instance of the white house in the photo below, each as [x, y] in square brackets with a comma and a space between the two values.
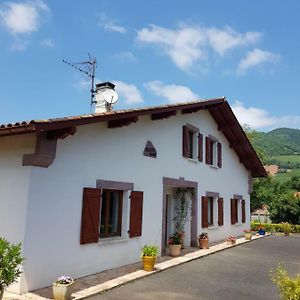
[83, 194]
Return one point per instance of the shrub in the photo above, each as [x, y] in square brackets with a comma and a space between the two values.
[10, 263]
[149, 250]
[289, 287]
[276, 227]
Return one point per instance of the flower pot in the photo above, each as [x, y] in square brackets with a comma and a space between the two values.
[1, 293]
[203, 243]
[248, 235]
[230, 243]
[62, 291]
[148, 263]
[174, 250]
[286, 233]
[261, 232]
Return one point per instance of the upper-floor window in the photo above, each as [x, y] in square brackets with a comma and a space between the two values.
[192, 142]
[213, 152]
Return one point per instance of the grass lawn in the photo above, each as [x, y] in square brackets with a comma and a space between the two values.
[287, 158]
[282, 177]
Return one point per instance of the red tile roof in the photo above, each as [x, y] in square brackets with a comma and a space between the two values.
[218, 108]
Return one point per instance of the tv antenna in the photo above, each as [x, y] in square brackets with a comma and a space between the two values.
[89, 68]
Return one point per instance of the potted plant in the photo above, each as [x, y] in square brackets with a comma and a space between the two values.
[175, 244]
[248, 234]
[286, 228]
[62, 288]
[149, 254]
[10, 264]
[203, 240]
[231, 240]
[261, 230]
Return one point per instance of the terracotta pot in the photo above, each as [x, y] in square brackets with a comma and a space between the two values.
[1, 293]
[203, 243]
[62, 291]
[174, 250]
[248, 235]
[148, 263]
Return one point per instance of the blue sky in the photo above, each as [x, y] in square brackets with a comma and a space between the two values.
[156, 52]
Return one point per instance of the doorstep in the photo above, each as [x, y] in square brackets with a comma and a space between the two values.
[131, 276]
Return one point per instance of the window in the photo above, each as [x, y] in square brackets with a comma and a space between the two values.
[238, 210]
[210, 211]
[213, 152]
[192, 142]
[111, 213]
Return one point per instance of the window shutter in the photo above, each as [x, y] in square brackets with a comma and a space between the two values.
[243, 211]
[185, 141]
[220, 212]
[204, 212]
[232, 211]
[207, 150]
[136, 214]
[90, 220]
[219, 155]
[200, 147]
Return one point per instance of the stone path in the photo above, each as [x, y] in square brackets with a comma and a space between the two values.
[98, 283]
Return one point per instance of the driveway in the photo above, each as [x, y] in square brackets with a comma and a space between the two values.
[238, 273]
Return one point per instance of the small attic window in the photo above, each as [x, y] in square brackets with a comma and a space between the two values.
[150, 150]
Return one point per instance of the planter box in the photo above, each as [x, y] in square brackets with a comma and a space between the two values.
[62, 291]
[203, 243]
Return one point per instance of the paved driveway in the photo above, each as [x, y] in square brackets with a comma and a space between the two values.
[239, 273]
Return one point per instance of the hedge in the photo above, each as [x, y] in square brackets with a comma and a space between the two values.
[273, 227]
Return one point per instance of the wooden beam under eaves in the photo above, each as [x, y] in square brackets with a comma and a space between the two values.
[163, 115]
[122, 122]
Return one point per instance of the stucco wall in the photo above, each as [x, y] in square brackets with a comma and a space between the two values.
[14, 188]
[54, 212]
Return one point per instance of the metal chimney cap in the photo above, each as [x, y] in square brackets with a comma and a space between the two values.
[105, 84]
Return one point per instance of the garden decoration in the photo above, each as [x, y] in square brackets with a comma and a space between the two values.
[62, 288]
[203, 240]
[149, 255]
[175, 244]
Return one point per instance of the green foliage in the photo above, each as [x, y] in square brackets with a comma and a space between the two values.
[175, 239]
[286, 161]
[10, 263]
[271, 227]
[182, 197]
[289, 287]
[150, 250]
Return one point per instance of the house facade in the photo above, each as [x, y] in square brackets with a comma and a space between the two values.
[84, 194]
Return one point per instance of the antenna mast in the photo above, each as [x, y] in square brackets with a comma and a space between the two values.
[89, 68]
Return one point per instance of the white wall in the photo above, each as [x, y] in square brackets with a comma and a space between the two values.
[14, 188]
[54, 213]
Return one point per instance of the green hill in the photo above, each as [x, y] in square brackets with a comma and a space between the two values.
[280, 141]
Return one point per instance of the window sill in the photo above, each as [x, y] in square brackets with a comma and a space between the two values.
[214, 167]
[212, 227]
[112, 240]
[237, 224]
[193, 160]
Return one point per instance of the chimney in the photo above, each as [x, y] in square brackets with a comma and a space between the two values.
[105, 97]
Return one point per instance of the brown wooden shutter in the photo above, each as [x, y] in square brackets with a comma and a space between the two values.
[185, 141]
[233, 211]
[136, 214]
[243, 211]
[200, 147]
[207, 150]
[90, 220]
[220, 212]
[219, 155]
[204, 212]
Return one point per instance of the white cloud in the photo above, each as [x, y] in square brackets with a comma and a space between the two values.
[187, 45]
[125, 56]
[258, 118]
[173, 93]
[109, 24]
[47, 43]
[129, 92]
[22, 17]
[255, 58]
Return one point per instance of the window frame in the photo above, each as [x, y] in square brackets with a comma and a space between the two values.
[210, 211]
[118, 233]
[192, 141]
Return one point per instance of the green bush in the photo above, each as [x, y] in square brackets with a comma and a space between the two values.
[149, 250]
[10, 263]
[275, 227]
[289, 287]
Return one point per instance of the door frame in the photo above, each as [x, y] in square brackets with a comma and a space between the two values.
[180, 183]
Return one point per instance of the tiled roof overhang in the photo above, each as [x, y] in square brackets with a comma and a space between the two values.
[218, 108]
